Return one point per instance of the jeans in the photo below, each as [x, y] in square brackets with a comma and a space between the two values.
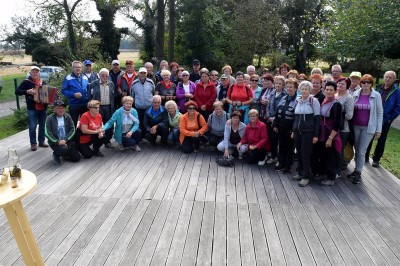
[133, 140]
[36, 117]
[231, 147]
[173, 136]
[361, 142]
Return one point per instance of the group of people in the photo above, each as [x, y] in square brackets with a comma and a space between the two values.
[263, 119]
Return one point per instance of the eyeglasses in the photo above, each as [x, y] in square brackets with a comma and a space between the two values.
[98, 107]
[185, 75]
[214, 75]
[191, 108]
[254, 80]
[366, 82]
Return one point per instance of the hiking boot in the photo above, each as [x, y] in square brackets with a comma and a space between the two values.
[327, 182]
[98, 154]
[375, 164]
[56, 159]
[43, 145]
[355, 173]
[33, 147]
[356, 179]
[304, 182]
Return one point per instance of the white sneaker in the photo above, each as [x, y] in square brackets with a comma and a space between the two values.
[121, 147]
[136, 148]
[271, 160]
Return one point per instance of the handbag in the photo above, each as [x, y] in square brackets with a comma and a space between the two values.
[225, 162]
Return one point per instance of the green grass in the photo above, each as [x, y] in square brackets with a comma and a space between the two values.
[8, 91]
[8, 127]
[391, 159]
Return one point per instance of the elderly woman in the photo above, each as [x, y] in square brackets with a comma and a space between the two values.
[205, 94]
[273, 101]
[36, 110]
[256, 90]
[174, 117]
[329, 142]
[268, 87]
[174, 66]
[227, 70]
[283, 126]
[284, 70]
[166, 88]
[255, 142]
[316, 70]
[214, 77]
[102, 90]
[367, 122]
[233, 134]
[246, 79]
[216, 124]
[293, 74]
[316, 90]
[305, 130]
[302, 77]
[184, 91]
[127, 132]
[156, 122]
[192, 128]
[347, 102]
[240, 97]
[179, 75]
[92, 134]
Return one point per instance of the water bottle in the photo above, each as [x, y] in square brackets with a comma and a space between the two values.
[14, 165]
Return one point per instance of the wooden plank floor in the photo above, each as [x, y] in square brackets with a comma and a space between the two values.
[162, 207]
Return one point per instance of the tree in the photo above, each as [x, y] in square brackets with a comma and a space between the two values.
[160, 29]
[171, 26]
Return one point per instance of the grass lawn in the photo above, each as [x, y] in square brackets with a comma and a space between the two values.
[8, 91]
[391, 159]
[7, 127]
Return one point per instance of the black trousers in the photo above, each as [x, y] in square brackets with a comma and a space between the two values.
[214, 140]
[286, 145]
[141, 113]
[340, 155]
[304, 146]
[75, 111]
[190, 143]
[254, 156]
[69, 152]
[273, 139]
[161, 131]
[105, 111]
[380, 145]
[86, 151]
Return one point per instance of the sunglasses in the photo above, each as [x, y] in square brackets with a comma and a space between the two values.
[191, 108]
[366, 82]
[254, 80]
[95, 107]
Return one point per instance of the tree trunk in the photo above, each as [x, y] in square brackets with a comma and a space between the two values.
[160, 29]
[171, 35]
[70, 28]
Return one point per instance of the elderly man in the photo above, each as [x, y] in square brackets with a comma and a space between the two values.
[150, 74]
[390, 95]
[336, 72]
[60, 131]
[355, 78]
[251, 70]
[163, 66]
[74, 86]
[102, 90]
[115, 74]
[142, 92]
[126, 80]
[36, 110]
[91, 75]
[195, 74]
[156, 122]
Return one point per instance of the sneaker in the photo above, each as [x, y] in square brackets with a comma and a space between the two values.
[337, 176]
[98, 154]
[327, 182]
[136, 148]
[277, 163]
[271, 160]
[33, 147]
[43, 145]
[355, 173]
[356, 179]
[56, 159]
[261, 163]
[108, 145]
[196, 150]
[304, 182]
[279, 167]
[297, 177]
[121, 147]
[375, 164]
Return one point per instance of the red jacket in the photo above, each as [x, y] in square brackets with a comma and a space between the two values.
[205, 96]
[257, 135]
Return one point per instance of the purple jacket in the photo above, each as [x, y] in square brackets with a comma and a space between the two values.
[180, 95]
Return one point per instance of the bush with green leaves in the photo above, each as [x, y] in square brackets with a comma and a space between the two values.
[21, 118]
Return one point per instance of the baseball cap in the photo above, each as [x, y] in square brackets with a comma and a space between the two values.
[142, 69]
[115, 62]
[87, 62]
[355, 74]
[59, 103]
[128, 62]
[224, 76]
[34, 67]
[196, 62]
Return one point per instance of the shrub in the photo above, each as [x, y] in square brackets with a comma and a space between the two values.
[21, 118]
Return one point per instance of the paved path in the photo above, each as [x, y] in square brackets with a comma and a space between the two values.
[5, 108]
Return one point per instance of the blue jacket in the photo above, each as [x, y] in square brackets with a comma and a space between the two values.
[71, 85]
[391, 106]
[118, 118]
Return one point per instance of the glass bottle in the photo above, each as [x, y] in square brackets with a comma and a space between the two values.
[14, 165]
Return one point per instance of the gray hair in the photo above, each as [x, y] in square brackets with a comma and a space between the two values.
[337, 66]
[171, 102]
[316, 70]
[391, 72]
[165, 72]
[251, 67]
[148, 64]
[305, 84]
[156, 97]
[104, 70]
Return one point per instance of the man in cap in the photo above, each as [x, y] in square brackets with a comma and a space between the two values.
[222, 91]
[390, 95]
[36, 110]
[142, 91]
[126, 80]
[91, 75]
[60, 131]
[114, 74]
[74, 86]
[195, 74]
[355, 78]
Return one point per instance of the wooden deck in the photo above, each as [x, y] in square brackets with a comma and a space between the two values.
[162, 207]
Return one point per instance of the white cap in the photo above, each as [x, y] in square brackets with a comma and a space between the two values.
[115, 62]
[142, 69]
[34, 67]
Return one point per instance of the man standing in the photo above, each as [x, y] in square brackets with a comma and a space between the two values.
[115, 74]
[74, 86]
[91, 75]
[142, 92]
[60, 131]
[163, 66]
[150, 74]
[336, 72]
[195, 74]
[222, 91]
[390, 95]
[126, 80]
[355, 78]
[251, 70]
